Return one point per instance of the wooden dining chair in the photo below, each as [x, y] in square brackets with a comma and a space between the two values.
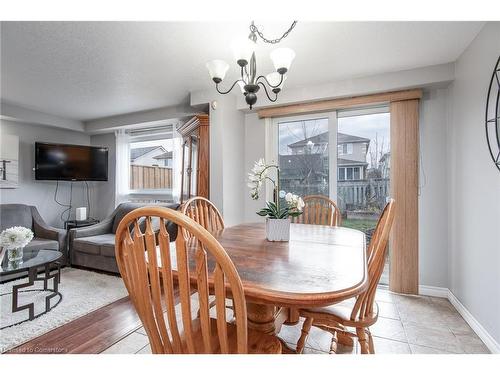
[204, 213]
[150, 265]
[319, 210]
[353, 318]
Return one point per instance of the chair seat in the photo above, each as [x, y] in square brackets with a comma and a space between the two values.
[258, 342]
[340, 313]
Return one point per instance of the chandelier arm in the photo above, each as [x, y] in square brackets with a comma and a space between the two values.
[274, 87]
[228, 91]
[267, 94]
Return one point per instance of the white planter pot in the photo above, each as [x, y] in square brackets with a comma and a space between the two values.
[278, 229]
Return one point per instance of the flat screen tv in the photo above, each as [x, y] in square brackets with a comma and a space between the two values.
[70, 162]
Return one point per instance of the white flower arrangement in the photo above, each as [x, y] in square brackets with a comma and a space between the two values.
[15, 237]
[256, 178]
[294, 201]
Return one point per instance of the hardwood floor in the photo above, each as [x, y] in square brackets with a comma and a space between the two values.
[90, 334]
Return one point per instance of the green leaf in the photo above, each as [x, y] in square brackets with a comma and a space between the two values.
[283, 214]
[272, 206]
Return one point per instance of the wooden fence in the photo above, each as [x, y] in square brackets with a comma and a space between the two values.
[357, 194]
[147, 177]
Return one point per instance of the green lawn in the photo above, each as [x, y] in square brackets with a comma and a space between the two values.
[359, 224]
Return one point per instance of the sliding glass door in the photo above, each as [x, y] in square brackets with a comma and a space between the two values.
[344, 156]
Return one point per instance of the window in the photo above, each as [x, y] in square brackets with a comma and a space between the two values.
[341, 173]
[340, 149]
[303, 155]
[349, 174]
[345, 149]
[356, 173]
[150, 160]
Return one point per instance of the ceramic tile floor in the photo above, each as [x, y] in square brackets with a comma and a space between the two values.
[406, 325]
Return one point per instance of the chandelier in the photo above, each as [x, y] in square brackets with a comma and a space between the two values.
[244, 54]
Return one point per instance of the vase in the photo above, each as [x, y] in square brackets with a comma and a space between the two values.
[278, 229]
[15, 254]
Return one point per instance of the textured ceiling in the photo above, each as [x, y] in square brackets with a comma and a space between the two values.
[87, 70]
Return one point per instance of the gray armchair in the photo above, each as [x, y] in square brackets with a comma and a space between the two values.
[46, 237]
[94, 246]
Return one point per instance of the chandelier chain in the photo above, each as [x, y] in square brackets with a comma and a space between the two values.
[254, 29]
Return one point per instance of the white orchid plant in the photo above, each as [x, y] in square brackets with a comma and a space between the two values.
[15, 237]
[273, 210]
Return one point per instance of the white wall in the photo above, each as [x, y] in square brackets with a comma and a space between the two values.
[255, 140]
[433, 192]
[104, 192]
[227, 156]
[41, 193]
[474, 185]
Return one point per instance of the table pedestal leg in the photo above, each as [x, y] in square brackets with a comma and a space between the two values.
[268, 319]
[264, 318]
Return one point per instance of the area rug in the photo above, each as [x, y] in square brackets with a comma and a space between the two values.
[82, 292]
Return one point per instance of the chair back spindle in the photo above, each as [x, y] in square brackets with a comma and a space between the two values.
[204, 213]
[149, 263]
[319, 210]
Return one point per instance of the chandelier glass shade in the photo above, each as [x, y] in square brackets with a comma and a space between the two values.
[249, 82]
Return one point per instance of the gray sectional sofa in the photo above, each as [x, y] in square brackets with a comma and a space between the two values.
[46, 237]
[94, 246]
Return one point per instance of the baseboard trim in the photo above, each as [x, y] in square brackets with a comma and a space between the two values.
[433, 291]
[477, 327]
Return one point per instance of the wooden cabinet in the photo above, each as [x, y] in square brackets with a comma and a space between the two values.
[195, 157]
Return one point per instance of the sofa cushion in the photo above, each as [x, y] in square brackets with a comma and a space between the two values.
[12, 215]
[93, 244]
[42, 244]
[108, 249]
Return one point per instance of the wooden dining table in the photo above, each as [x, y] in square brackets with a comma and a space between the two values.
[319, 266]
